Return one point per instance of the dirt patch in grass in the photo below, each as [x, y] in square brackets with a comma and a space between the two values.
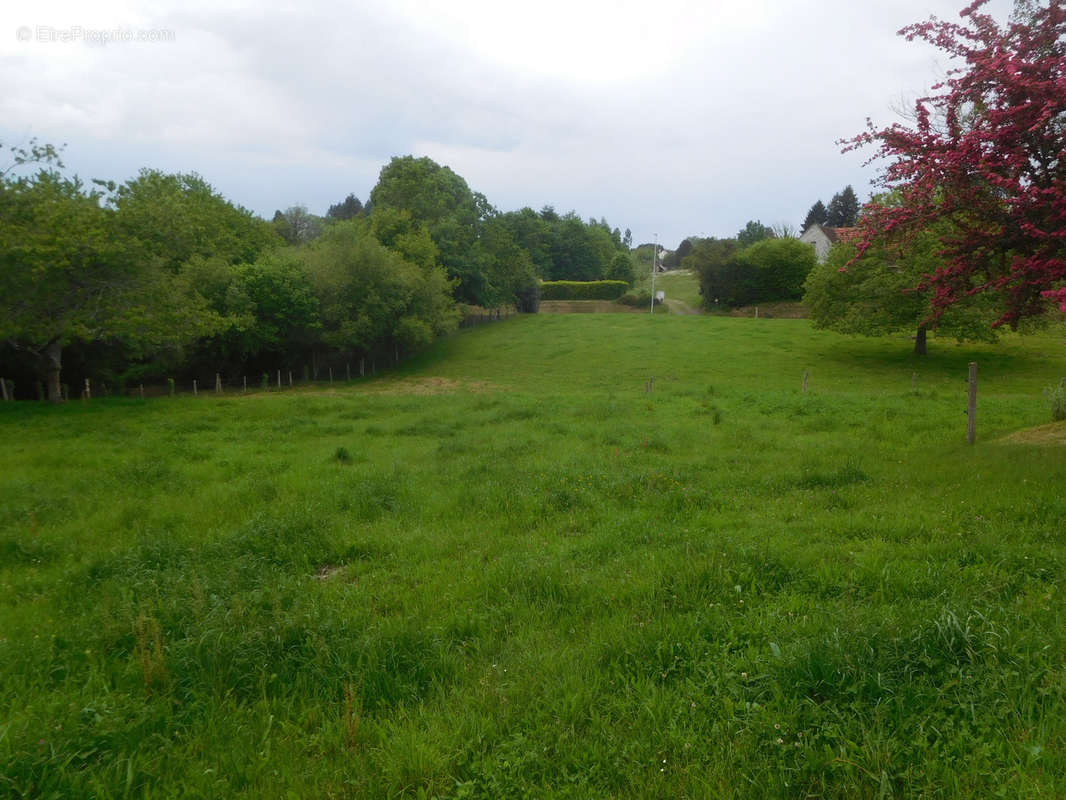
[680, 307]
[585, 307]
[327, 571]
[1053, 434]
[422, 386]
[427, 385]
[782, 310]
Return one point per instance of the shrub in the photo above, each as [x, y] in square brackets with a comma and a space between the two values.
[638, 299]
[582, 290]
[1057, 397]
[767, 271]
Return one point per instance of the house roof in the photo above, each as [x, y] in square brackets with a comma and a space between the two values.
[845, 235]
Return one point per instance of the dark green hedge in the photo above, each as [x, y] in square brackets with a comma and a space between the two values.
[582, 290]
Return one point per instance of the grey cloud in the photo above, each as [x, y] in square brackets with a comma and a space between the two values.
[306, 102]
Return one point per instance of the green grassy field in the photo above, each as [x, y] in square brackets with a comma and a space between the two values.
[510, 570]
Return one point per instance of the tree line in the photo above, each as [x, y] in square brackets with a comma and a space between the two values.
[842, 211]
[163, 276]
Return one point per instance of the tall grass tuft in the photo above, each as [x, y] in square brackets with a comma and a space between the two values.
[1056, 396]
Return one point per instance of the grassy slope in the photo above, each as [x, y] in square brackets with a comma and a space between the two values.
[528, 576]
[678, 285]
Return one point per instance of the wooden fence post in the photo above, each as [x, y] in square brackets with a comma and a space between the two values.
[362, 367]
[331, 376]
[218, 383]
[971, 410]
[348, 369]
[804, 380]
[279, 378]
[142, 391]
[87, 394]
[290, 377]
[245, 384]
[194, 393]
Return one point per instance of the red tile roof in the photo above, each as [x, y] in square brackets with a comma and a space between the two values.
[845, 235]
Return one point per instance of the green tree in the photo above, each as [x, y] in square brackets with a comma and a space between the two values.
[642, 258]
[576, 253]
[622, 268]
[370, 297]
[443, 202]
[843, 210]
[753, 232]
[269, 308]
[399, 231]
[873, 296]
[71, 273]
[683, 250]
[349, 208]
[297, 225]
[507, 269]
[714, 261]
[534, 234]
[816, 216]
[179, 216]
[673, 259]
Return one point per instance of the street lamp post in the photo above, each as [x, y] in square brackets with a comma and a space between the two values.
[654, 258]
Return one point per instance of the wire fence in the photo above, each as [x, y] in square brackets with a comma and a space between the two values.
[319, 370]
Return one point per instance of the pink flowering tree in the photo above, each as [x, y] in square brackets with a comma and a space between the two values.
[985, 161]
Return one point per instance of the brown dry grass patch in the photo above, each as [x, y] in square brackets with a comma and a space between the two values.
[1049, 435]
[585, 307]
[384, 385]
[427, 385]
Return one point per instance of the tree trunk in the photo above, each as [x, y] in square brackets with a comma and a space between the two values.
[53, 362]
[919, 341]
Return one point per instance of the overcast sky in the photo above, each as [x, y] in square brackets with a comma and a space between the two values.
[667, 117]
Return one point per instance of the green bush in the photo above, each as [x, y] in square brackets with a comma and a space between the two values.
[638, 299]
[1057, 396]
[767, 271]
[582, 290]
